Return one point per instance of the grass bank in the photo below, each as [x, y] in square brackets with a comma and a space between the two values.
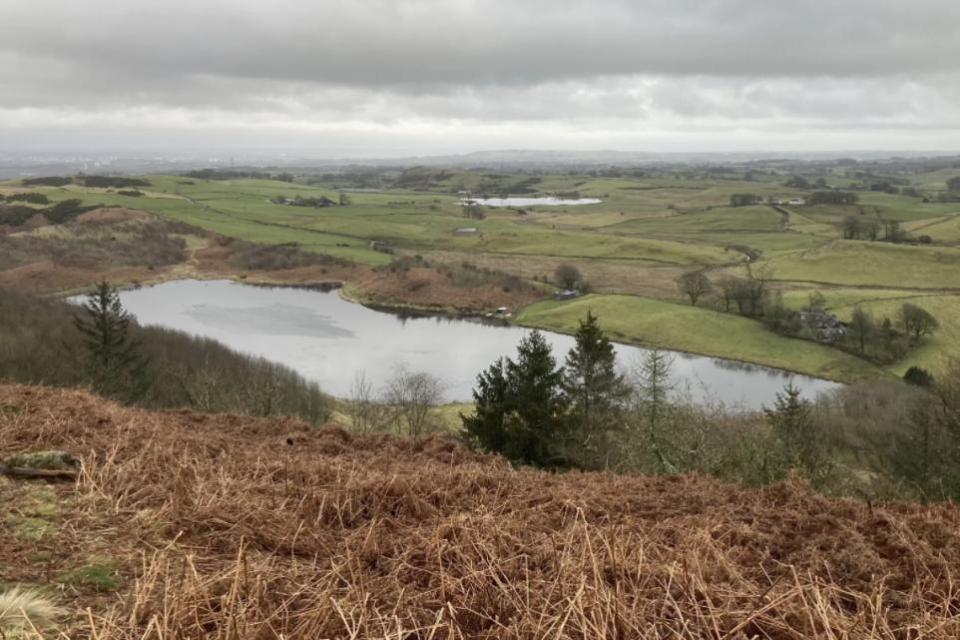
[697, 330]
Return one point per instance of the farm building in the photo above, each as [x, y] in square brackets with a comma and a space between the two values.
[827, 326]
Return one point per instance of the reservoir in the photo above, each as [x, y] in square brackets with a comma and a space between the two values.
[546, 201]
[329, 340]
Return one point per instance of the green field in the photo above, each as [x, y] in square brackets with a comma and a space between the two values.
[697, 330]
[934, 352]
[872, 264]
[649, 227]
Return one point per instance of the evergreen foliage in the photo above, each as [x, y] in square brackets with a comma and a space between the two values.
[519, 407]
[117, 366]
[594, 391]
[796, 429]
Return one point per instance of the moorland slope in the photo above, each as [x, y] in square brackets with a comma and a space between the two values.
[185, 525]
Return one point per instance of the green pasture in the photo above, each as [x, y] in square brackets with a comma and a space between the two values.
[679, 217]
[697, 330]
[872, 264]
[933, 352]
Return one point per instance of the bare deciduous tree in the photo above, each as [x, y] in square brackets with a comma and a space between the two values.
[917, 321]
[694, 285]
[863, 327]
[567, 275]
[366, 412]
[652, 406]
[474, 210]
[412, 396]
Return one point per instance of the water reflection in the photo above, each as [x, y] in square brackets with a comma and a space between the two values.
[329, 339]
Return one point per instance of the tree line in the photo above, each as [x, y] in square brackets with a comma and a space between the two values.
[404, 404]
[878, 439]
[883, 340]
[57, 213]
[238, 174]
[817, 197]
[118, 182]
[583, 414]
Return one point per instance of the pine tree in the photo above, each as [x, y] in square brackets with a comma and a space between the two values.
[794, 425]
[536, 423]
[492, 403]
[519, 409]
[116, 366]
[593, 390]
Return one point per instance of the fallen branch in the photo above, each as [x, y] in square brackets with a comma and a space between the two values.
[23, 472]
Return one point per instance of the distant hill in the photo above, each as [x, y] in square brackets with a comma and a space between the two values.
[30, 165]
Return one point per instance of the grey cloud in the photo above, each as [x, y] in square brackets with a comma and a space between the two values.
[576, 70]
[375, 42]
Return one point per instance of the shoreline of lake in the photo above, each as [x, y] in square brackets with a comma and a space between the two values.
[329, 322]
[350, 294]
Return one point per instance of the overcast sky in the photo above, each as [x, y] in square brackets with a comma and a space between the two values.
[435, 76]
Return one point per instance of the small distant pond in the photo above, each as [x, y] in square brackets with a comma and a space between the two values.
[329, 340]
[546, 201]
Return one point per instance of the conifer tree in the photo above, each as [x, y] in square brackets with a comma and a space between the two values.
[795, 425]
[116, 365]
[594, 391]
[519, 408]
[533, 382]
[492, 403]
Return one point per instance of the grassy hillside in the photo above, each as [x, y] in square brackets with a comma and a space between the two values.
[935, 350]
[650, 226]
[872, 264]
[697, 330]
[187, 525]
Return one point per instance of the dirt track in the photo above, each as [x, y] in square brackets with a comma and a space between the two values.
[240, 528]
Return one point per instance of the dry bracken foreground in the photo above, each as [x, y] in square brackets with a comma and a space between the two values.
[228, 527]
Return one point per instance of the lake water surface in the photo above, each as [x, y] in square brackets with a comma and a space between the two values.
[546, 201]
[328, 339]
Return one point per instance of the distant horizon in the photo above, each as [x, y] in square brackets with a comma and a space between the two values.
[220, 154]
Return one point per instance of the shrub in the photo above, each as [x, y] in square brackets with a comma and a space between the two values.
[31, 197]
[567, 275]
[49, 181]
[918, 377]
[115, 182]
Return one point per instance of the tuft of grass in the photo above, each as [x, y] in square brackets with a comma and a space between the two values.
[41, 557]
[32, 529]
[99, 574]
[36, 513]
[53, 460]
[23, 610]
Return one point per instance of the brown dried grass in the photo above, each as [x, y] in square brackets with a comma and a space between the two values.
[224, 530]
